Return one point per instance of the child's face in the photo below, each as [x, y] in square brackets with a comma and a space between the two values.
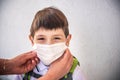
[43, 36]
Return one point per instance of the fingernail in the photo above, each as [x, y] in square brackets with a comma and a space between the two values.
[33, 61]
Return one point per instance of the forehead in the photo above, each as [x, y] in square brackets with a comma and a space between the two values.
[48, 32]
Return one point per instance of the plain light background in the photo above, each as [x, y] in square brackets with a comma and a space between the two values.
[94, 25]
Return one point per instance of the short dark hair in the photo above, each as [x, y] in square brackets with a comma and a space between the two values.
[49, 18]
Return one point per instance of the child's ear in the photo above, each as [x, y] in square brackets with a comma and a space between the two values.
[31, 39]
[68, 39]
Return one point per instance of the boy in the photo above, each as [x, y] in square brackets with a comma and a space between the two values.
[49, 35]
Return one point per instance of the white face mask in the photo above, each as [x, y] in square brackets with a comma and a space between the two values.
[49, 53]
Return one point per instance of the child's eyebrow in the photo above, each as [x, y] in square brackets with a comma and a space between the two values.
[58, 35]
[40, 35]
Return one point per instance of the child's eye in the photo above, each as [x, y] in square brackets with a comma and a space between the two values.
[41, 39]
[57, 38]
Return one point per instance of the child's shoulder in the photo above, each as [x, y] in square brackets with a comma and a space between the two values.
[77, 73]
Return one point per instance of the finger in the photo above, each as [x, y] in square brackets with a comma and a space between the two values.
[71, 56]
[27, 66]
[28, 62]
[66, 55]
[37, 60]
[31, 65]
[30, 55]
[69, 59]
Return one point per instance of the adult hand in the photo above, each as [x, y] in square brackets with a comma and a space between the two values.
[60, 67]
[22, 63]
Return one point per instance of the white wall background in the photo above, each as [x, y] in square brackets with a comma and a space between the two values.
[94, 25]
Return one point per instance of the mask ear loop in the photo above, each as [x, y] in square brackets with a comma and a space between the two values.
[68, 38]
[67, 43]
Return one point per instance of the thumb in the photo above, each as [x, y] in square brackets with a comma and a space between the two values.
[30, 55]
